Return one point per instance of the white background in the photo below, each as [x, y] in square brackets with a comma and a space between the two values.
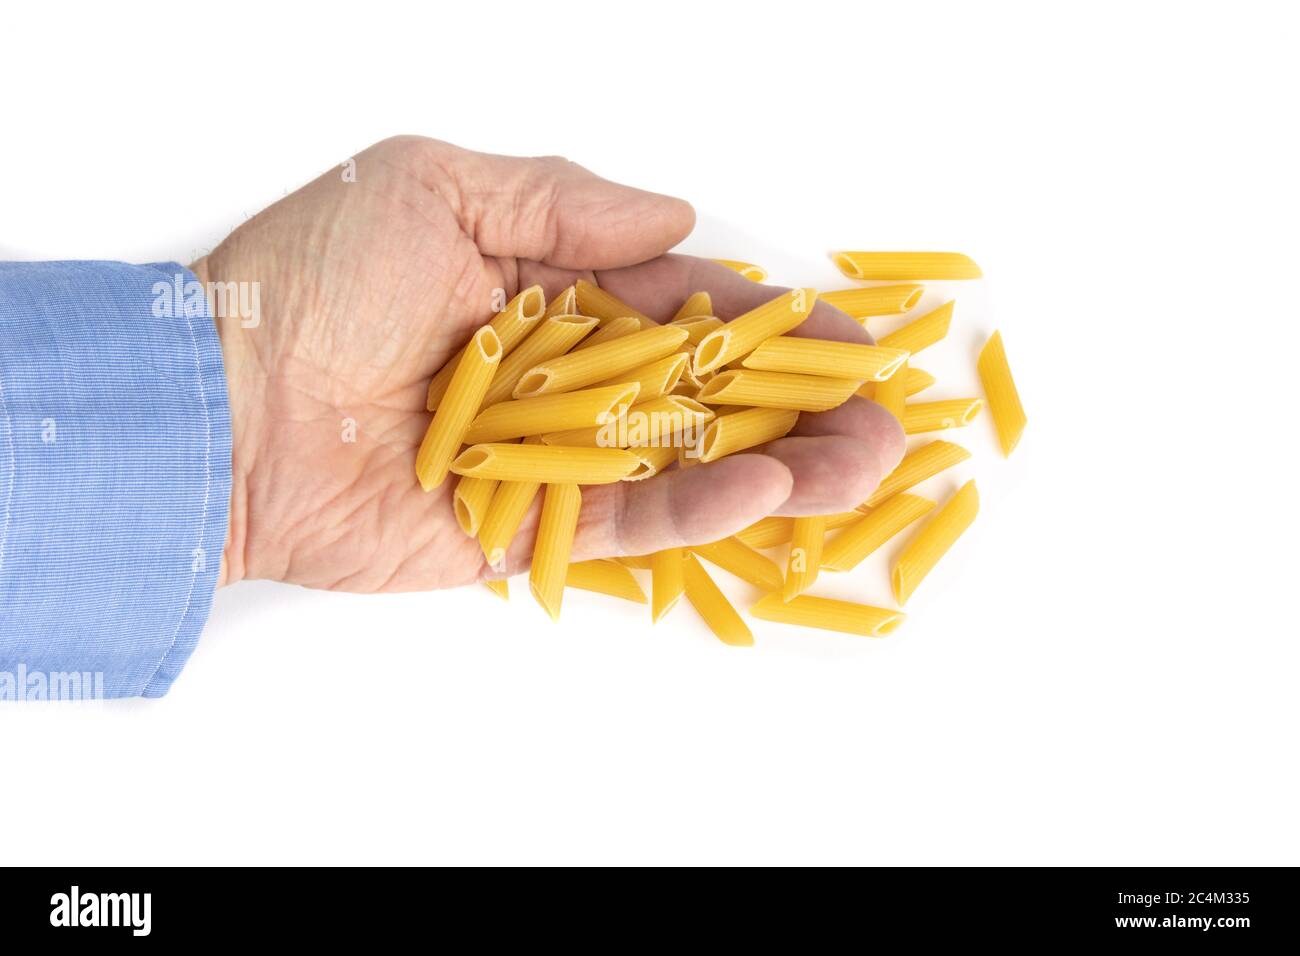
[1105, 673]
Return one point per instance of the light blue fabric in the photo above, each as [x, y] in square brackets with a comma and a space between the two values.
[114, 472]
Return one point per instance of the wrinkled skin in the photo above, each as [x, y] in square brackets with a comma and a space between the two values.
[368, 286]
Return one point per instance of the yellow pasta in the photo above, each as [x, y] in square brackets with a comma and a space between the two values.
[890, 393]
[656, 378]
[648, 424]
[531, 416]
[747, 269]
[555, 336]
[697, 327]
[465, 393]
[920, 333]
[604, 577]
[848, 548]
[933, 541]
[788, 353]
[471, 500]
[740, 430]
[1000, 390]
[805, 559]
[914, 380]
[609, 331]
[917, 465]
[828, 615]
[699, 304]
[743, 334]
[566, 303]
[921, 417]
[512, 325]
[807, 393]
[906, 266]
[666, 581]
[875, 300]
[509, 505]
[554, 544]
[578, 369]
[549, 464]
[713, 605]
[500, 587]
[651, 461]
[596, 302]
[774, 531]
[738, 558]
[639, 561]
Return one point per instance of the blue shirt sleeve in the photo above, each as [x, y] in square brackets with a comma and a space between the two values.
[114, 473]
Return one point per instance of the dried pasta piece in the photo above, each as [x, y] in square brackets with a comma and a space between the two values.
[920, 333]
[697, 327]
[512, 325]
[917, 465]
[1000, 390]
[666, 581]
[471, 500]
[745, 429]
[566, 303]
[713, 606]
[747, 269]
[549, 464]
[656, 378]
[788, 353]
[596, 302]
[854, 542]
[738, 558]
[805, 559]
[500, 587]
[743, 334]
[698, 304]
[933, 541]
[807, 393]
[828, 614]
[609, 331]
[604, 576]
[555, 336]
[906, 266]
[509, 505]
[579, 369]
[921, 417]
[532, 416]
[875, 300]
[649, 424]
[773, 531]
[890, 395]
[554, 544]
[469, 383]
[914, 380]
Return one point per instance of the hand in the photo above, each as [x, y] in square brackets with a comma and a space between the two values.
[368, 286]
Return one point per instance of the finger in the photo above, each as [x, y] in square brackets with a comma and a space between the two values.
[863, 420]
[680, 507]
[831, 473]
[660, 286]
[552, 210]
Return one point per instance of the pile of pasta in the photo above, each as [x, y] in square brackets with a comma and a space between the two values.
[586, 390]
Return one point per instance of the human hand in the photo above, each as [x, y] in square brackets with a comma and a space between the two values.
[367, 287]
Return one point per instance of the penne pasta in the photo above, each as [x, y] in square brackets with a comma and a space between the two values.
[875, 300]
[917, 465]
[743, 334]
[921, 417]
[510, 503]
[651, 424]
[512, 325]
[549, 464]
[698, 304]
[666, 581]
[787, 353]
[807, 393]
[697, 327]
[546, 413]
[553, 337]
[639, 561]
[604, 577]
[805, 559]
[652, 461]
[599, 304]
[1000, 390]
[745, 429]
[713, 606]
[738, 558]
[578, 369]
[828, 614]
[747, 269]
[566, 303]
[469, 383]
[609, 331]
[848, 548]
[554, 544]
[933, 541]
[891, 393]
[914, 380]
[656, 378]
[920, 333]
[774, 531]
[500, 587]
[906, 266]
[471, 500]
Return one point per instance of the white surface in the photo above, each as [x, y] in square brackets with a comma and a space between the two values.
[1105, 674]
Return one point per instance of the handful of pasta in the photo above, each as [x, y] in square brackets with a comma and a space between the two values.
[587, 390]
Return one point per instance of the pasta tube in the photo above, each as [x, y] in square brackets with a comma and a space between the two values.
[604, 577]
[609, 331]
[599, 304]
[921, 417]
[698, 304]
[933, 541]
[652, 461]
[649, 424]
[697, 326]
[890, 395]
[743, 334]
[916, 466]
[875, 300]
[512, 325]
[906, 266]
[770, 532]
[747, 269]
[500, 587]
[577, 369]
[828, 615]
[920, 333]
[738, 558]
[566, 303]
[848, 548]
[656, 378]
[914, 380]
[787, 353]
[805, 555]
[666, 581]
[471, 500]
[639, 561]
[554, 544]
[553, 337]
[807, 393]
[713, 606]
[465, 393]
[1000, 390]
[531, 416]
[740, 430]
[549, 464]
